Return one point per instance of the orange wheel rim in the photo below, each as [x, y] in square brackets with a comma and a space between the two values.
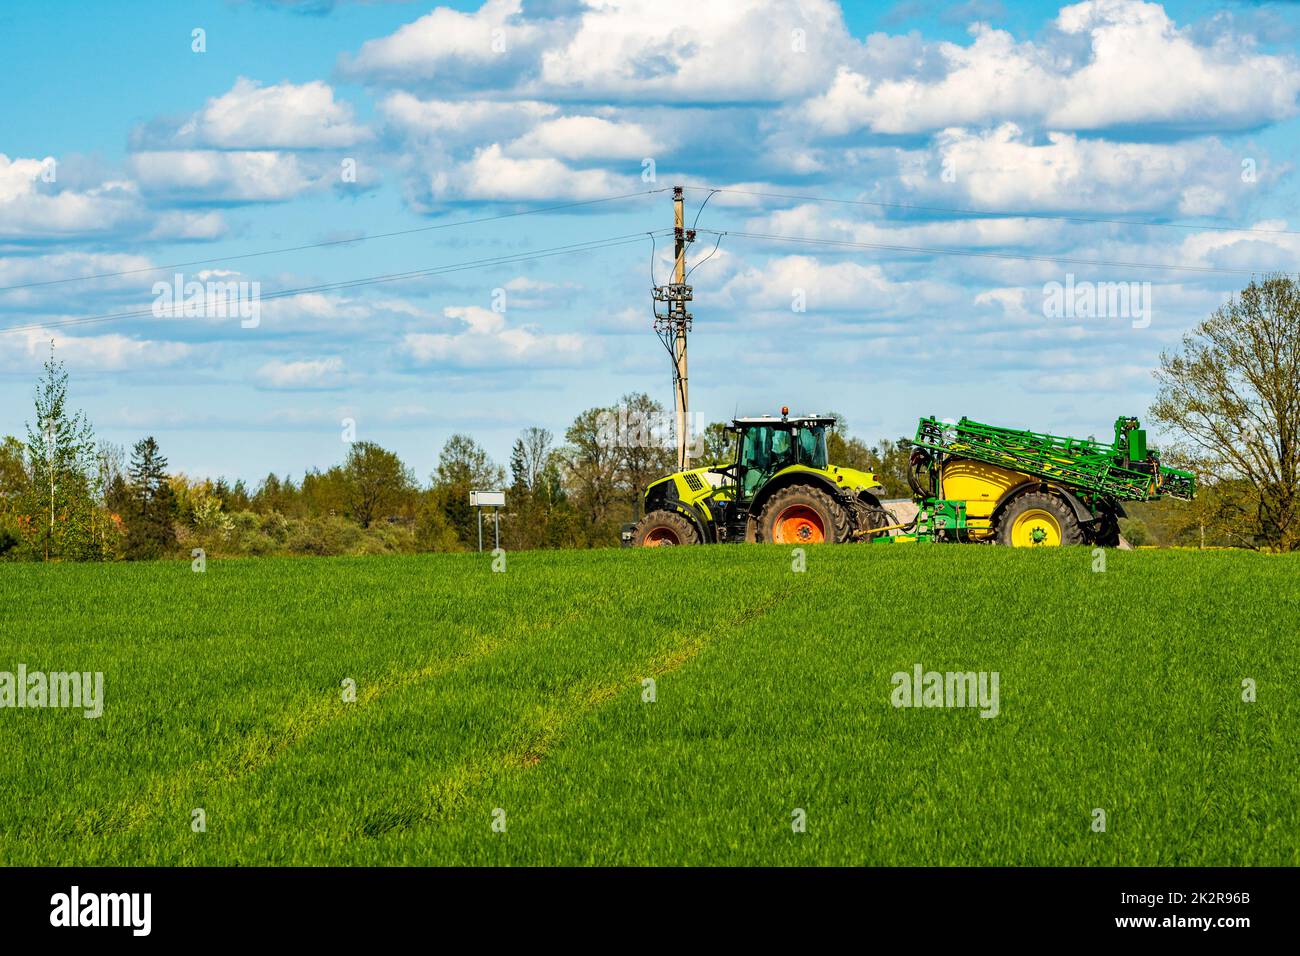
[659, 537]
[799, 524]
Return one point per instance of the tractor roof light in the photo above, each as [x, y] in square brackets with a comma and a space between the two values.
[785, 412]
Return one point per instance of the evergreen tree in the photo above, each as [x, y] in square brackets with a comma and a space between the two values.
[150, 532]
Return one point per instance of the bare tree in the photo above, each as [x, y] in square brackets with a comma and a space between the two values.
[1231, 398]
[532, 451]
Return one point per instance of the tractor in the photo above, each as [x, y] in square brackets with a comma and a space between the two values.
[779, 488]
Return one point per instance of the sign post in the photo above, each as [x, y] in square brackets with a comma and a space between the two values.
[493, 500]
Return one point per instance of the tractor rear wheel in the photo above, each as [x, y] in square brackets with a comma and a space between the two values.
[802, 514]
[662, 529]
[1036, 519]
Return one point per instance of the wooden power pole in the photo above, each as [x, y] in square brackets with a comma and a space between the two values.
[673, 324]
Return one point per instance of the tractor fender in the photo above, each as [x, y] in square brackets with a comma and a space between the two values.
[795, 478]
[664, 495]
[1081, 511]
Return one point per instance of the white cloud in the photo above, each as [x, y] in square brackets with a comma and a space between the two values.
[1005, 168]
[586, 137]
[811, 221]
[1145, 70]
[32, 208]
[993, 77]
[452, 122]
[487, 341]
[472, 49]
[835, 285]
[490, 174]
[742, 50]
[24, 351]
[322, 373]
[1140, 69]
[282, 116]
[214, 176]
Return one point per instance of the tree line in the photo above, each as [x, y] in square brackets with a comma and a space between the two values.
[66, 496]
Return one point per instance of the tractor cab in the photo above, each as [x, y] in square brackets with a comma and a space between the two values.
[767, 445]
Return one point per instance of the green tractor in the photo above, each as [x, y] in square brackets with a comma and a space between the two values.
[779, 488]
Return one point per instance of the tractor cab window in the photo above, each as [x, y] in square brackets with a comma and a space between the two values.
[812, 447]
[757, 457]
[766, 449]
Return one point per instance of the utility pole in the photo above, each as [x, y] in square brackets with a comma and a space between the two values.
[673, 325]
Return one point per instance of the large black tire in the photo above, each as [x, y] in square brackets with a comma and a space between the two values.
[1106, 531]
[661, 529]
[1050, 509]
[802, 514]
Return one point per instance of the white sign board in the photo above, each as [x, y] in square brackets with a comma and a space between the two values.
[487, 499]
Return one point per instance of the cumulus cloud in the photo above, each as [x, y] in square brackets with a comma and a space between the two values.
[492, 46]
[25, 350]
[1144, 69]
[1137, 67]
[458, 122]
[816, 283]
[486, 340]
[992, 77]
[215, 176]
[811, 221]
[492, 175]
[648, 50]
[303, 375]
[1006, 168]
[586, 137]
[743, 50]
[35, 205]
[281, 116]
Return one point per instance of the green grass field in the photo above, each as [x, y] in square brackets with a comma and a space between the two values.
[523, 691]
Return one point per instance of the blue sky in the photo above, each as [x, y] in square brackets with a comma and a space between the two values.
[1001, 113]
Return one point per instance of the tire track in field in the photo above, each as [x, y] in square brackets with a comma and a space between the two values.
[291, 726]
[558, 718]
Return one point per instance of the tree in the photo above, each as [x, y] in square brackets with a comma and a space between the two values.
[528, 458]
[463, 466]
[643, 451]
[719, 445]
[889, 464]
[591, 465]
[1231, 400]
[529, 507]
[57, 507]
[150, 532]
[374, 482]
[13, 483]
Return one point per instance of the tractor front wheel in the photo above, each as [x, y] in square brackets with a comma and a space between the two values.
[1036, 519]
[662, 529]
[803, 515]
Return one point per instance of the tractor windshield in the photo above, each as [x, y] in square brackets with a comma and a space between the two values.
[766, 449]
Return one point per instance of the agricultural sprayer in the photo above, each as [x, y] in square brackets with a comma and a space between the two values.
[971, 483]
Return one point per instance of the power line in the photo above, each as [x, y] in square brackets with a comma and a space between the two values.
[997, 213]
[588, 246]
[329, 242]
[928, 250]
